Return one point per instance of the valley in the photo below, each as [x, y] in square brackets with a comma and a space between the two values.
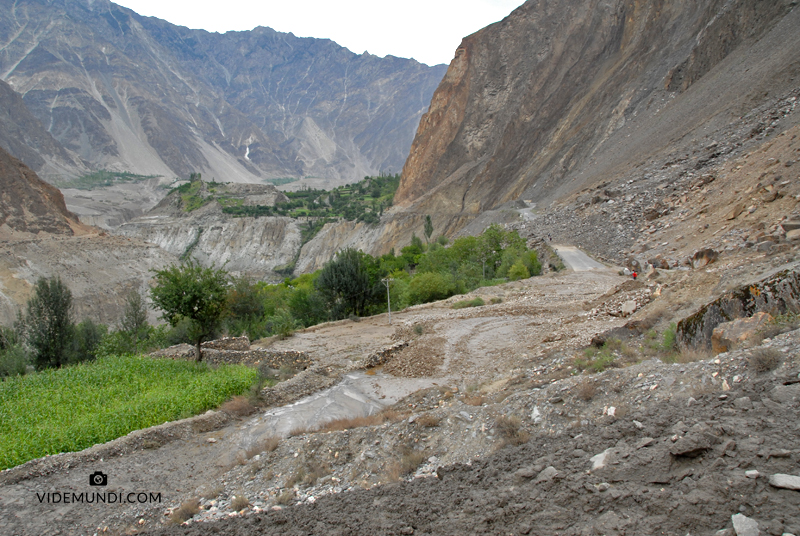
[655, 137]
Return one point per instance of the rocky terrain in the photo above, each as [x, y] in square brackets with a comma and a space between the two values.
[506, 435]
[255, 246]
[617, 97]
[118, 91]
[39, 237]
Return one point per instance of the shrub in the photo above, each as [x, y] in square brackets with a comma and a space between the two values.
[428, 420]
[518, 271]
[14, 360]
[509, 428]
[239, 501]
[430, 286]
[86, 339]
[186, 511]
[764, 359]
[585, 390]
[475, 302]
[238, 406]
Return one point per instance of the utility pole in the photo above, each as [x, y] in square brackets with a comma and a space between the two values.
[387, 281]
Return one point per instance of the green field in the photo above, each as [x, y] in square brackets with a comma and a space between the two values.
[75, 407]
[103, 179]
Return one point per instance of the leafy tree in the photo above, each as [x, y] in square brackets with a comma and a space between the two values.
[428, 228]
[430, 286]
[86, 340]
[345, 283]
[134, 318]
[518, 271]
[13, 357]
[47, 323]
[189, 291]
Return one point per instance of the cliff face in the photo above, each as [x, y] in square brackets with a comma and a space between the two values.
[560, 94]
[29, 206]
[245, 245]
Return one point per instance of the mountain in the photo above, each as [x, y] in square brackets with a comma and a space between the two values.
[29, 206]
[39, 237]
[129, 93]
[24, 137]
[562, 96]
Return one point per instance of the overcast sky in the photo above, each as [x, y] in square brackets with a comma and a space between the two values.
[426, 30]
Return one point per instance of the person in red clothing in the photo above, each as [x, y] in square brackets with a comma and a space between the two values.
[634, 274]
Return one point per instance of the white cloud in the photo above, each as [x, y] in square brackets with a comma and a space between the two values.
[426, 30]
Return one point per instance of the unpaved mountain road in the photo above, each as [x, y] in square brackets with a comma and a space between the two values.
[577, 260]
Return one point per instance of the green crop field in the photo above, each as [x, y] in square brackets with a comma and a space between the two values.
[73, 408]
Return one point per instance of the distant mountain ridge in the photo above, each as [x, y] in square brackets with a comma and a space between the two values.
[126, 92]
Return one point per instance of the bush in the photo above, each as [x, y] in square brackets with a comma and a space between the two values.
[86, 340]
[475, 302]
[14, 360]
[518, 271]
[430, 287]
[764, 359]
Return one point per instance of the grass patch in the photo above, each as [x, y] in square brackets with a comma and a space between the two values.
[475, 302]
[186, 511]
[239, 501]
[596, 360]
[72, 408]
[238, 406]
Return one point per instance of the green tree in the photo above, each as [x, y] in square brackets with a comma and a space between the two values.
[345, 283]
[47, 323]
[428, 228]
[86, 340]
[134, 319]
[189, 291]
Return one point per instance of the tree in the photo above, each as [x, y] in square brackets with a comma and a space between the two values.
[345, 283]
[192, 292]
[134, 317]
[48, 322]
[428, 228]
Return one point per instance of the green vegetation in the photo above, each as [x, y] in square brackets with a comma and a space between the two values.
[102, 179]
[281, 181]
[192, 293]
[47, 325]
[475, 302]
[363, 201]
[75, 407]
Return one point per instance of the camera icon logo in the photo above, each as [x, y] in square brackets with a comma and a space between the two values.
[98, 478]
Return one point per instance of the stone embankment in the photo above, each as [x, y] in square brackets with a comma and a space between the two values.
[237, 351]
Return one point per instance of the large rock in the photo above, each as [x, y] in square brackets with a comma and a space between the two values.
[785, 481]
[704, 257]
[777, 293]
[730, 335]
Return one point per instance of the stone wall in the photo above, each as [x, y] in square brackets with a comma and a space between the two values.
[260, 357]
[777, 294]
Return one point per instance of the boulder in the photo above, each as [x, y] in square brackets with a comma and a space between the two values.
[793, 235]
[791, 225]
[729, 335]
[734, 212]
[703, 257]
[659, 262]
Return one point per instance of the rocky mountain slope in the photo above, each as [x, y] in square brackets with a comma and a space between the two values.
[564, 97]
[39, 237]
[131, 93]
[29, 206]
